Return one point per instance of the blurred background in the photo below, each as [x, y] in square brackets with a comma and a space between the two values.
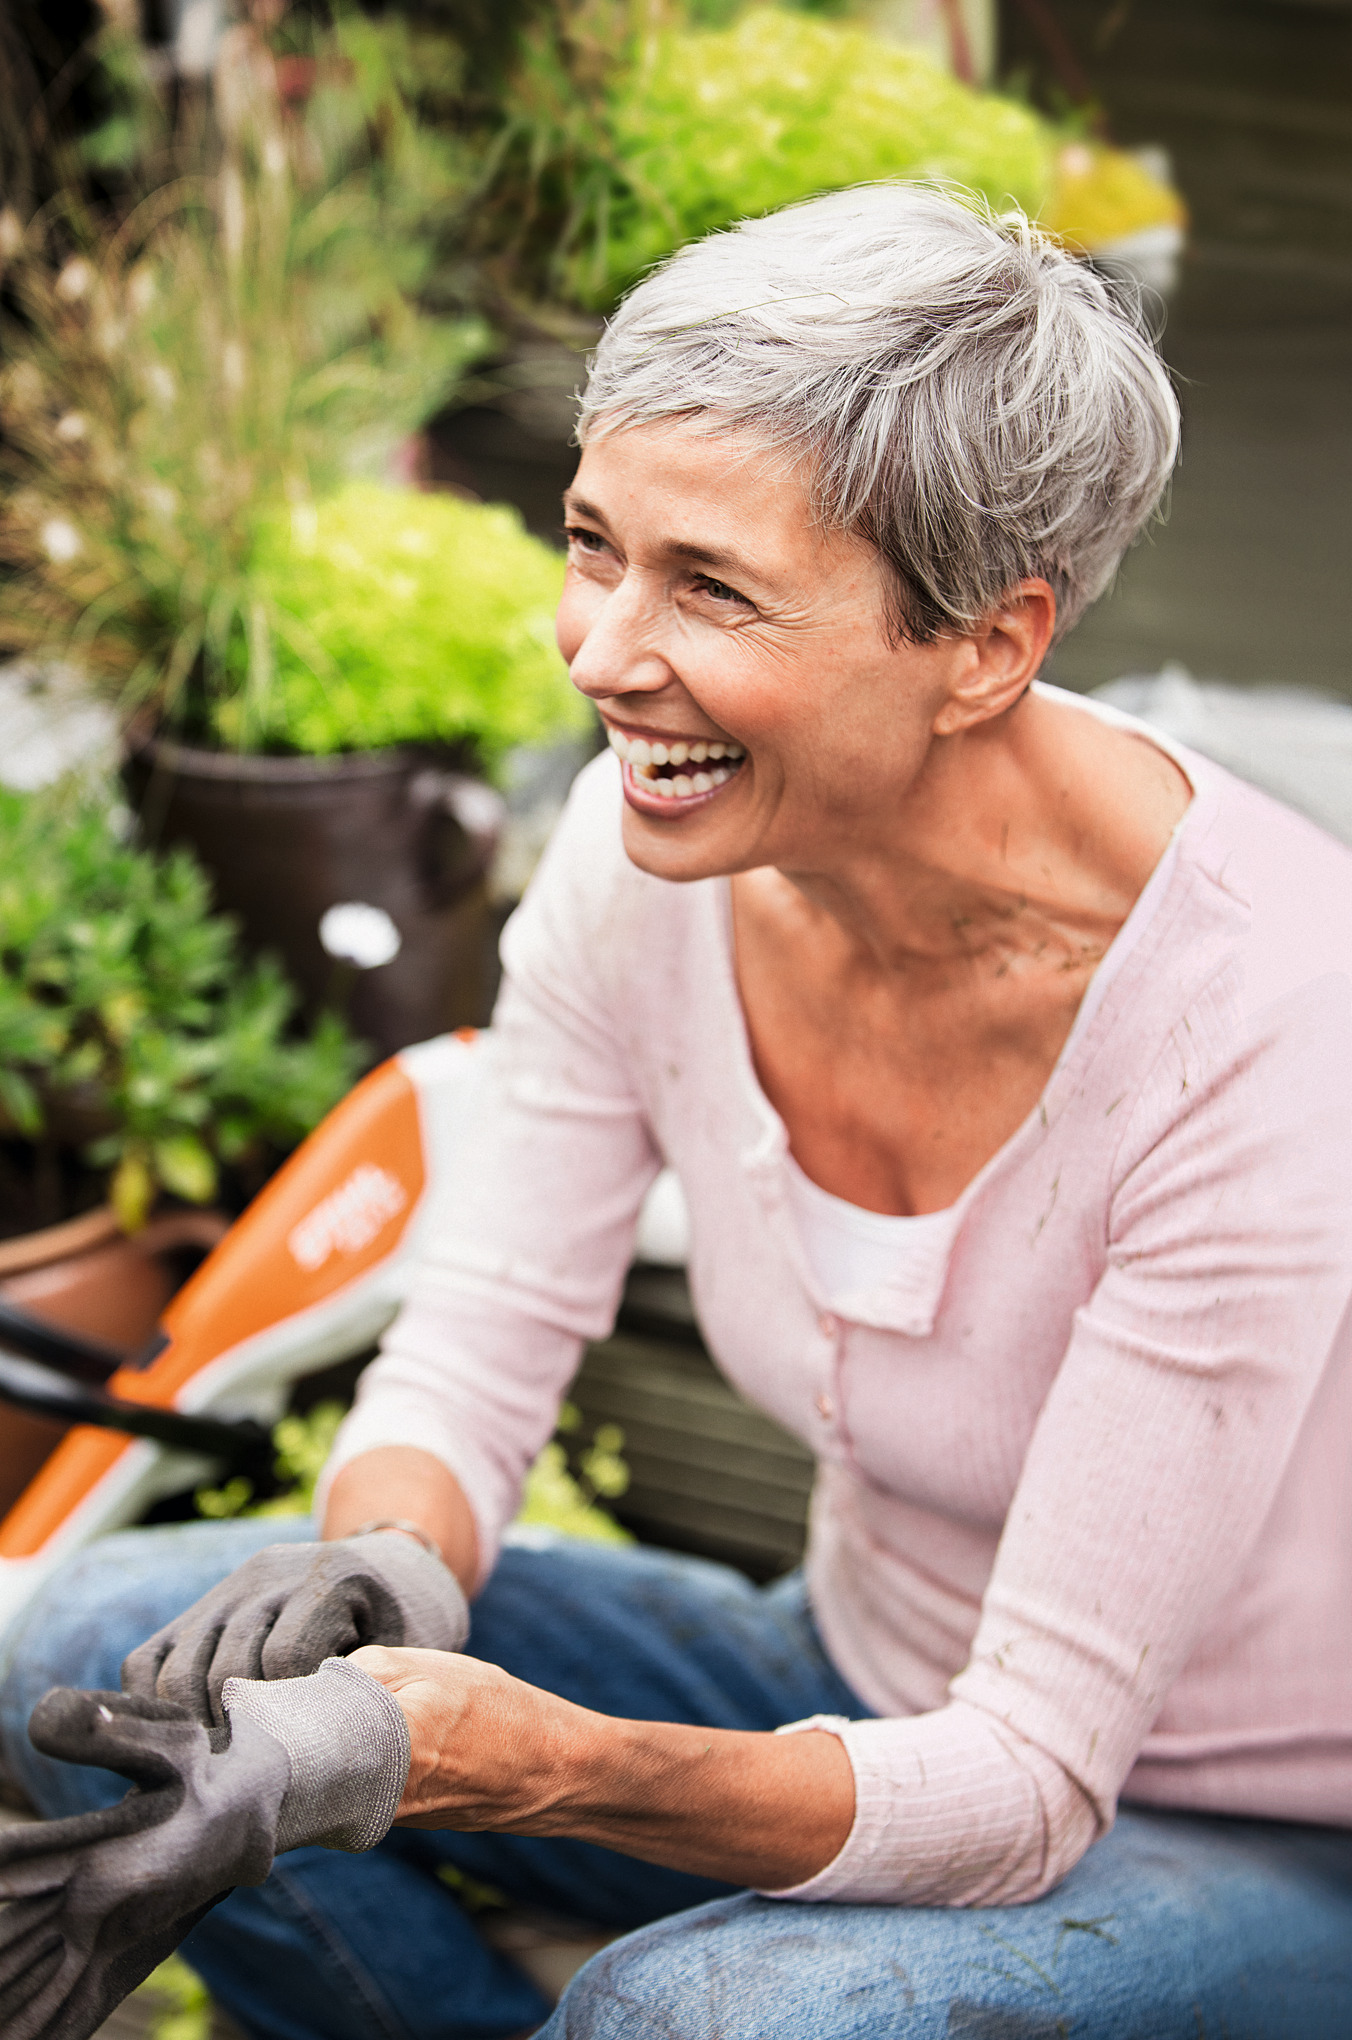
[1253, 103]
[294, 300]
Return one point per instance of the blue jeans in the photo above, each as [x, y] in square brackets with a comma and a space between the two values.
[1172, 1928]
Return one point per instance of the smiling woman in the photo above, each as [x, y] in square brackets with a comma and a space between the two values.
[1005, 1058]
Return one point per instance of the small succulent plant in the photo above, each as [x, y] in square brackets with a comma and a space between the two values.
[139, 1053]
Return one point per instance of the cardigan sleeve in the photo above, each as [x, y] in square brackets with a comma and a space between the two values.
[538, 1226]
[1156, 1457]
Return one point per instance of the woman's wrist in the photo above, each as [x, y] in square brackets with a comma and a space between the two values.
[403, 1526]
[403, 1485]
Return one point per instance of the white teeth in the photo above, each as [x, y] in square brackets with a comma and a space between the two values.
[644, 757]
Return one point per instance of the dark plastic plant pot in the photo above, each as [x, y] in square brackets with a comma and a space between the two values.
[287, 839]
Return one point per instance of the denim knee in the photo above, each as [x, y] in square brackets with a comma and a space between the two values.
[735, 1970]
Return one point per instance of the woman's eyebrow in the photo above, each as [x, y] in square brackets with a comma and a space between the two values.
[578, 506]
[714, 556]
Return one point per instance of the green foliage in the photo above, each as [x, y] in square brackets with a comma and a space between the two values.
[252, 328]
[630, 128]
[403, 616]
[554, 1498]
[302, 1444]
[557, 1499]
[722, 125]
[176, 2002]
[129, 1027]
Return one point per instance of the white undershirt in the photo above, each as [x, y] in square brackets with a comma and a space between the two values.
[851, 1250]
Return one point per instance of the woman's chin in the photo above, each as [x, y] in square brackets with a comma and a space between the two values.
[684, 837]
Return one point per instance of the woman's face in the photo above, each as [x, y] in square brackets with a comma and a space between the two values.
[705, 608]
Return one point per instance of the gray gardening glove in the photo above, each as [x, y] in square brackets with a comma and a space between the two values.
[289, 1607]
[96, 1902]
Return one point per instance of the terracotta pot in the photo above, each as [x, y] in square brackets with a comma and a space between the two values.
[89, 1276]
[286, 839]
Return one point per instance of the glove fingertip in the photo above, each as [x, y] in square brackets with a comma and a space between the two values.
[100, 1727]
[64, 1713]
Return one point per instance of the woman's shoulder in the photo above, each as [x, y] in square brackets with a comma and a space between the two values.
[1291, 880]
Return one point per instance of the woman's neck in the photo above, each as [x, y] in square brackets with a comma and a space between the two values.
[1031, 836]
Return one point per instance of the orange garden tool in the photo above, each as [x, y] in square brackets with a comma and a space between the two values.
[311, 1273]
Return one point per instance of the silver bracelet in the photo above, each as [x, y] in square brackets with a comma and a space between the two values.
[409, 1529]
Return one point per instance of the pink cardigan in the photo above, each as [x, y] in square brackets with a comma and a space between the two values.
[1083, 1518]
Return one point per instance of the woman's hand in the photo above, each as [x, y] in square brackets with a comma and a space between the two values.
[490, 1752]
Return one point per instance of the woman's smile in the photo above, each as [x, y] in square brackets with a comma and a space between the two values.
[671, 776]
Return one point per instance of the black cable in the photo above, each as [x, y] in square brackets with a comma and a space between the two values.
[70, 1353]
[43, 1392]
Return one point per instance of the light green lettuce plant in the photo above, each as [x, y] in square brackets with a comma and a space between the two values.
[713, 125]
[399, 617]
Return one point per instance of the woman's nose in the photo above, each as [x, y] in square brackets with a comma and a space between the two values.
[619, 651]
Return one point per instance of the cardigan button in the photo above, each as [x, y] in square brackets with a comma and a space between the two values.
[827, 1325]
[826, 1409]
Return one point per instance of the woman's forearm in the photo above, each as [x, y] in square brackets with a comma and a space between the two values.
[492, 1753]
[751, 1809]
[402, 1481]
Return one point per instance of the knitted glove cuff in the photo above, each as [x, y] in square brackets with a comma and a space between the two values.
[347, 1742]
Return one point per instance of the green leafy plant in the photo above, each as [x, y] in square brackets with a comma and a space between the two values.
[176, 2003]
[137, 1052]
[629, 128]
[399, 617]
[555, 1497]
[571, 1499]
[261, 319]
[730, 123]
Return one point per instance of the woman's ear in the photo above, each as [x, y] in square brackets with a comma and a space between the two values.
[1002, 656]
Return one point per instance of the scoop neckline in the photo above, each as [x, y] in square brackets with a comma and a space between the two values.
[773, 1146]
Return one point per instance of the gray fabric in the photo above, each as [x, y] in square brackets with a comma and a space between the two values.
[94, 1903]
[347, 1742]
[290, 1606]
[97, 1901]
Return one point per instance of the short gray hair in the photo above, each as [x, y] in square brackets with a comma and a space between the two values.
[975, 402]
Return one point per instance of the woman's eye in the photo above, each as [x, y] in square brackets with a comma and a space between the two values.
[720, 591]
